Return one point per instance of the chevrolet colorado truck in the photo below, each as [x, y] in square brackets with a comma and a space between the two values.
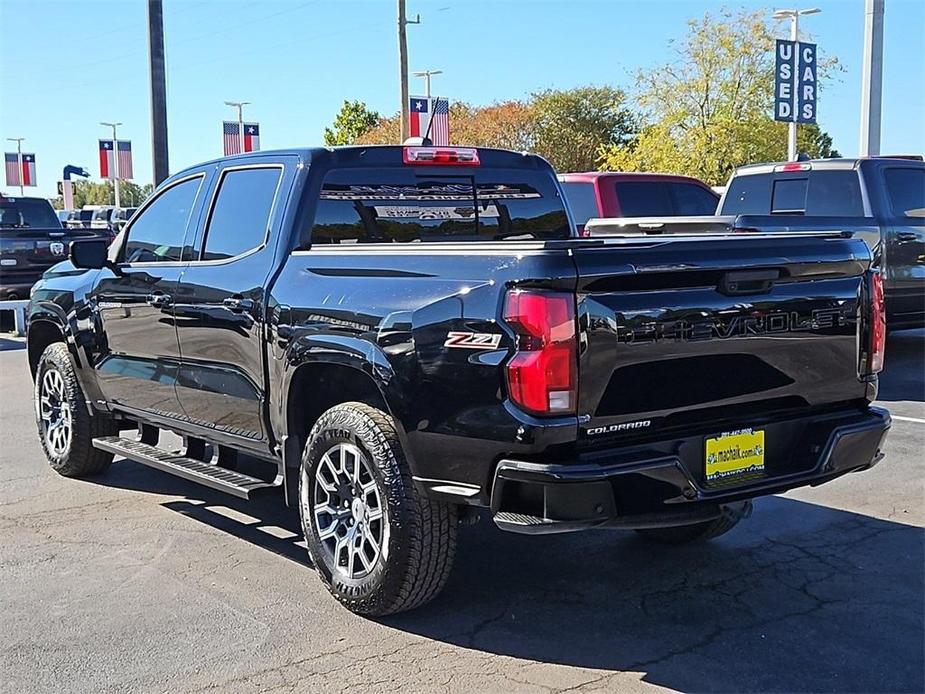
[879, 199]
[399, 336]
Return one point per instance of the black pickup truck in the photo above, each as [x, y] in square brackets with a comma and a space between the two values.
[31, 241]
[398, 336]
[879, 199]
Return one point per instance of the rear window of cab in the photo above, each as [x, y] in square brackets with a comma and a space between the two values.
[825, 193]
[391, 205]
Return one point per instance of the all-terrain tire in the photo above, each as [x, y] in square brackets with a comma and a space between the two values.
[73, 454]
[416, 555]
[699, 532]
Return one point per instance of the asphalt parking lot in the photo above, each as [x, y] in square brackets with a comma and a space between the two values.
[139, 581]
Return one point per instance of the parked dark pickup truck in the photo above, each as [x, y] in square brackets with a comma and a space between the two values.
[399, 336]
[881, 200]
[31, 241]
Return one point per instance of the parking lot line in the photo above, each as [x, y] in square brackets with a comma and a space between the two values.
[908, 419]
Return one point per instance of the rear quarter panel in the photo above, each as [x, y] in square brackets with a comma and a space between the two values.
[388, 311]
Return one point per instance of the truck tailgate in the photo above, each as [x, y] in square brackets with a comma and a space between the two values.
[689, 332]
[26, 253]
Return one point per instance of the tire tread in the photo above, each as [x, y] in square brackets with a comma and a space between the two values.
[431, 525]
[82, 460]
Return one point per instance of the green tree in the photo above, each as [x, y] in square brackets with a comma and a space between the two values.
[568, 127]
[352, 121]
[709, 111]
[571, 126]
[91, 193]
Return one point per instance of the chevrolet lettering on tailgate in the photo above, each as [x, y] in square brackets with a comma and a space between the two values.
[738, 326]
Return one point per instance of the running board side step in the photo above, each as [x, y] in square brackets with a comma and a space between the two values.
[207, 474]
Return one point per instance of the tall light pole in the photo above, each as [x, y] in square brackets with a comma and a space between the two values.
[115, 158]
[871, 78]
[403, 21]
[240, 106]
[18, 141]
[794, 17]
[157, 69]
[427, 74]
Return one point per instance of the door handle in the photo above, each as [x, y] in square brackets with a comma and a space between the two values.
[907, 236]
[158, 299]
[238, 304]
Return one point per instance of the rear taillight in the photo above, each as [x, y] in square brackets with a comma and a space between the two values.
[542, 375]
[877, 343]
[441, 156]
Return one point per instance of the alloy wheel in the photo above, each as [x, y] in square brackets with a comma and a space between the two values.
[55, 413]
[348, 512]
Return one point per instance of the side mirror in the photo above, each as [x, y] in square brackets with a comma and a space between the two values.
[91, 254]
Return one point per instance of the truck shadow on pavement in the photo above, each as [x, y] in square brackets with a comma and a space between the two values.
[799, 597]
[903, 377]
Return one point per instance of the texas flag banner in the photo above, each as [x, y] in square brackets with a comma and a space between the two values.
[418, 115]
[16, 176]
[251, 137]
[231, 137]
[107, 165]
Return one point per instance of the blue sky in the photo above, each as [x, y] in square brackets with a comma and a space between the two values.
[65, 66]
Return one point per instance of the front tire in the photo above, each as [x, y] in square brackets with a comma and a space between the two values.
[379, 546]
[66, 426]
[700, 532]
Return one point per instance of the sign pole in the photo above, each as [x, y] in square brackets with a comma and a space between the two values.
[241, 126]
[115, 163]
[19, 158]
[427, 74]
[872, 78]
[792, 126]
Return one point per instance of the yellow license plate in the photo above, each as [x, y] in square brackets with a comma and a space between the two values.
[735, 453]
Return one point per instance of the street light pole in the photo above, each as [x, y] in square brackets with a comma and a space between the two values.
[18, 141]
[794, 16]
[157, 69]
[240, 106]
[872, 78]
[403, 22]
[115, 159]
[426, 74]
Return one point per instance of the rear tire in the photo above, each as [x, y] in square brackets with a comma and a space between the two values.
[379, 546]
[66, 426]
[699, 532]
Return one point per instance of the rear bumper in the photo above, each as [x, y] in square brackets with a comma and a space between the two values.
[630, 489]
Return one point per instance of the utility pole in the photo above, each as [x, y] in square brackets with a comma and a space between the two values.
[158, 90]
[115, 159]
[794, 16]
[18, 141]
[240, 106]
[427, 74]
[871, 78]
[403, 21]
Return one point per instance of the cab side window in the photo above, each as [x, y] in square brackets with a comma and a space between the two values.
[906, 188]
[156, 235]
[240, 218]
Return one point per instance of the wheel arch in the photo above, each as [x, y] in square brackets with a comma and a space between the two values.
[314, 385]
[42, 333]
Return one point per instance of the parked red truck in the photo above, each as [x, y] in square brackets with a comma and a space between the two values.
[608, 194]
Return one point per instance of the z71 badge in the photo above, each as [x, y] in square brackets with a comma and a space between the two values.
[473, 340]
